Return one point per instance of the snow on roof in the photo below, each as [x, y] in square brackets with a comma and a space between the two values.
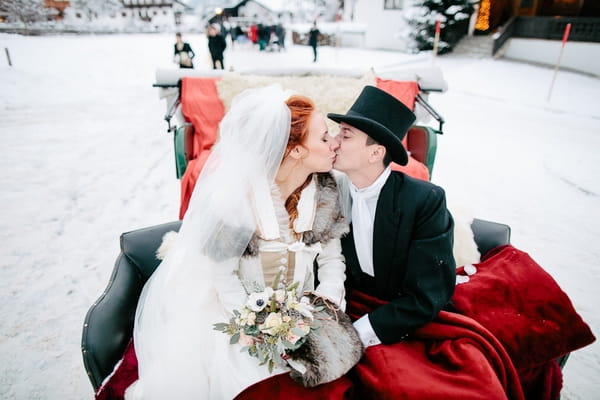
[273, 5]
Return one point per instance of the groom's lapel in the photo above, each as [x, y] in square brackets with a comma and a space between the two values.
[385, 231]
[349, 251]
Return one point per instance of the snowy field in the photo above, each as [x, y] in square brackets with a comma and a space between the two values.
[85, 156]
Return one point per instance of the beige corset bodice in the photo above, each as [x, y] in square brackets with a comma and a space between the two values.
[275, 261]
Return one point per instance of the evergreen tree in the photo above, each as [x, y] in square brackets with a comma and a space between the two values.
[422, 16]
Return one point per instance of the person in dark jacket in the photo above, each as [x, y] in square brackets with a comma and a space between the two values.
[280, 33]
[183, 52]
[399, 248]
[216, 47]
[313, 39]
[264, 34]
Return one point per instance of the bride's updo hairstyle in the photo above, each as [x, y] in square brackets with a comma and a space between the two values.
[301, 108]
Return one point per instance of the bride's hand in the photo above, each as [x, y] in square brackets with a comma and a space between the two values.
[313, 296]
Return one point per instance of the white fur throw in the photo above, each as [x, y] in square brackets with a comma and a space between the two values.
[330, 93]
[465, 249]
[168, 241]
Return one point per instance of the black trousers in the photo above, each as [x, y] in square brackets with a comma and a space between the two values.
[219, 58]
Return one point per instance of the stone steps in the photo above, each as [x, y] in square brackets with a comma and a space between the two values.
[475, 46]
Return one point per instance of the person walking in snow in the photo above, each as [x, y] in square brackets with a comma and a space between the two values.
[313, 39]
[216, 46]
[280, 33]
[183, 52]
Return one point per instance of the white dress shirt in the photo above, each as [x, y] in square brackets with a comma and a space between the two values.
[364, 205]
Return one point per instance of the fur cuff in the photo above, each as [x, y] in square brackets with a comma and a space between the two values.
[330, 351]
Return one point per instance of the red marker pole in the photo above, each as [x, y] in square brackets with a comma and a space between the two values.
[562, 48]
[436, 39]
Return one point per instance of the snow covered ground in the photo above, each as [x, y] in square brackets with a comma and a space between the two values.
[84, 156]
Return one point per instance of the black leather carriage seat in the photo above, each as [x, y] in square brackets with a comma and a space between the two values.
[108, 325]
[109, 322]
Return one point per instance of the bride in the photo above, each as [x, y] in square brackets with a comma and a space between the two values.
[265, 204]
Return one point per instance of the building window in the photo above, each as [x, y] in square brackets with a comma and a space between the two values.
[393, 4]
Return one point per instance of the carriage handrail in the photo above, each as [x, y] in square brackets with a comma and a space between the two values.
[425, 104]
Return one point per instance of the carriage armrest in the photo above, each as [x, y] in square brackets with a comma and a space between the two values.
[422, 144]
[489, 234]
[140, 246]
[109, 322]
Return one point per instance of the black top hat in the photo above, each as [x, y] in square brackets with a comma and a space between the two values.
[381, 116]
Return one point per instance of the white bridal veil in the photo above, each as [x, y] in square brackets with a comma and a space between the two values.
[179, 353]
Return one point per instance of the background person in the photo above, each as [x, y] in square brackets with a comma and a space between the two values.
[313, 39]
[216, 47]
[183, 52]
[280, 33]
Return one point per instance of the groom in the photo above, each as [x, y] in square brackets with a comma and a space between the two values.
[399, 248]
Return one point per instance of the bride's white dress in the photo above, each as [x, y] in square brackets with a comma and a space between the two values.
[180, 355]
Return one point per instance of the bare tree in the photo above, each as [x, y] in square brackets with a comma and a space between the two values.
[26, 11]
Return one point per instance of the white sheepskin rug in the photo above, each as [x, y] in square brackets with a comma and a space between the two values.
[330, 93]
[465, 249]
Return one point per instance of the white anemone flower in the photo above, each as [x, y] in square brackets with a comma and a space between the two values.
[257, 301]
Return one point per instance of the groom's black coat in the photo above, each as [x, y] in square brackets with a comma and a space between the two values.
[412, 257]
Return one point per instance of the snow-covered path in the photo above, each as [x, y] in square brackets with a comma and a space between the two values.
[84, 156]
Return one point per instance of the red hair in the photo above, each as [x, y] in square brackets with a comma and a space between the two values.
[301, 108]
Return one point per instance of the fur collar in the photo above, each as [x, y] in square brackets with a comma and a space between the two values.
[328, 222]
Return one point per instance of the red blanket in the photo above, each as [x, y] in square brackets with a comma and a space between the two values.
[406, 92]
[522, 305]
[452, 357]
[125, 374]
[202, 106]
[518, 307]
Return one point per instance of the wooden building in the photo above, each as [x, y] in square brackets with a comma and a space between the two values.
[494, 13]
[59, 6]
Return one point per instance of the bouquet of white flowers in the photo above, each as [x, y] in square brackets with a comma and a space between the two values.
[272, 323]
